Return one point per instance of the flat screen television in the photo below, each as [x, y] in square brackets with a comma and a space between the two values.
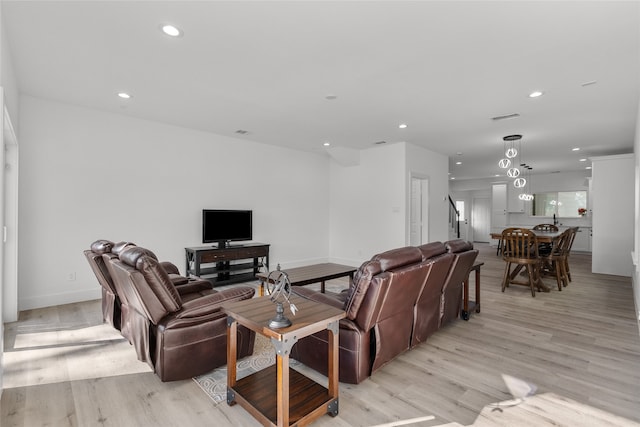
[223, 226]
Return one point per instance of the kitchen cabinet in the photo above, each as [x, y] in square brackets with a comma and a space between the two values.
[498, 207]
[514, 204]
[582, 241]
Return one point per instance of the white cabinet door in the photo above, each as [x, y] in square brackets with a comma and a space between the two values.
[498, 207]
[582, 242]
[514, 204]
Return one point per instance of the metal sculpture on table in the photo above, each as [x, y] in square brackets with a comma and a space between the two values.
[279, 289]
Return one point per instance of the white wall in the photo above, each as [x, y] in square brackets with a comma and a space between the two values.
[86, 174]
[613, 214]
[435, 166]
[368, 205]
[370, 200]
[636, 244]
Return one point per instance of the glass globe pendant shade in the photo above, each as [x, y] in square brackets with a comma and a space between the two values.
[504, 163]
[522, 196]
[529, 197]
[511, 153]
[519, 182]
[513, 173]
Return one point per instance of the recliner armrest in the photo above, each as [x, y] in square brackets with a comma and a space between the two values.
[192, 286]
[212, 302]
[329, 299]
[170, 267]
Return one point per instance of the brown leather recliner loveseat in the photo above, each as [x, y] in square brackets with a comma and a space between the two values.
[112, 310]
[395, 301]
[180, 334]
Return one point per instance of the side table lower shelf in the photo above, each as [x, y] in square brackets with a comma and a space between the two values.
[257, 393]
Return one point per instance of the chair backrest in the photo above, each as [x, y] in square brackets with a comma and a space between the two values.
[382, 297]
[572, 235]
[519, 244]
[427, 311]
[94, 257]
[545, 227]
[144, 284]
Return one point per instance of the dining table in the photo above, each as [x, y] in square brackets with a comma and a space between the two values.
[549, 237]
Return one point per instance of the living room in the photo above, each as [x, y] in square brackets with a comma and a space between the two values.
[89, 173]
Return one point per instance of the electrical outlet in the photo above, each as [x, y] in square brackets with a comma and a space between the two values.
[71, 276]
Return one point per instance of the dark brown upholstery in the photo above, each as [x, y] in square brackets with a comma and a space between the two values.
[392, 304]
[112, 310]
[180, 335]
[110, 302]
[428, 308]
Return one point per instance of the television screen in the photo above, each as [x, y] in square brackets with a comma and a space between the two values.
[222, 226]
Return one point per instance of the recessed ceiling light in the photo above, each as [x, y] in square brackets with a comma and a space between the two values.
[402, 125]
[588, 167]
[171, 30]
[583, 160]
[497, 174]
[124, 95]
[458, 163]
[575, 149]
[453, 177]
[536, 94]
[326, 144]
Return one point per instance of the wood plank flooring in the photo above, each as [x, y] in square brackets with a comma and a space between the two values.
[580, 347]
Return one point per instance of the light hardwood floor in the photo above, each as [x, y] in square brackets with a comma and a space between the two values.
[580, 347]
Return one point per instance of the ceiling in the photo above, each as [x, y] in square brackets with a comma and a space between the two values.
[266, 67]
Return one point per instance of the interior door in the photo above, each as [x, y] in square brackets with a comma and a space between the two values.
[419, 211]
[480, 219]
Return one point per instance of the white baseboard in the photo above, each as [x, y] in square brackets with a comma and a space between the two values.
[41, 301]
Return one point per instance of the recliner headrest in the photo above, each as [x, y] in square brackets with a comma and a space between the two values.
[396, 258]
[121, 246]
[430, 250]
[132, 255]
[458, 245]
[102, 246]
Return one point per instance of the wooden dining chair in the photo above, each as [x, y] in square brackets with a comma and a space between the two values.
[545, 248]
[572, 237]
[545, 227]
[555, 262]
[520, 250]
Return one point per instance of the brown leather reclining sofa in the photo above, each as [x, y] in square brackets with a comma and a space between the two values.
[178, 330]
[397, 299]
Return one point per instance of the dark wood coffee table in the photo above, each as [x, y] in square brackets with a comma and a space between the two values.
[278, 395]
[306, 275]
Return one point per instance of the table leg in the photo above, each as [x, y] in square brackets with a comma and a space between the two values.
[283, 390]
[322, 287]
[465, 299]
[232, 354]
[333, 371]
[477, 289]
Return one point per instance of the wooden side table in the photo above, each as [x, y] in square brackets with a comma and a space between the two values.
[466, 304]
[278, 395]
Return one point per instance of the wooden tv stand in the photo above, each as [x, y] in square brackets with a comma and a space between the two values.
[231, 264]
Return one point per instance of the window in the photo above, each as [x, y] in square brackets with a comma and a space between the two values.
[563, 204]
[460, 209]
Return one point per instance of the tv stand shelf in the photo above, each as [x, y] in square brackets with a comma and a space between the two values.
[231, 264]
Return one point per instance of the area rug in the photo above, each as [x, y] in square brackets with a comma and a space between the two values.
[214, 383]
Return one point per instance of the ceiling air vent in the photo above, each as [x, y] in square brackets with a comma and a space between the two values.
[508, 116]
[380, 142]
[242, 132]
